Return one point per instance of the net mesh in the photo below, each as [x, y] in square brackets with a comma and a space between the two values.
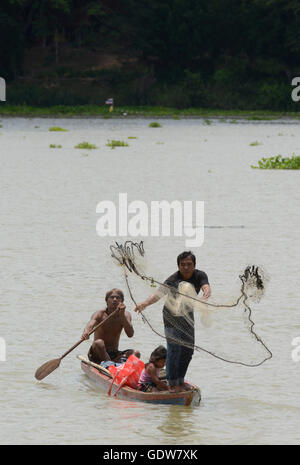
[226, 330]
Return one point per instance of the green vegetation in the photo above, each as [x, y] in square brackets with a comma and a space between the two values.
[65, 111]
[57, 128]
[208, 122]
[116, 143]
[177, 60]
[85, 145]
[260, 118]
[279, 163]
[132, 137]
[253, 144]
[54, 146]
[154, 125]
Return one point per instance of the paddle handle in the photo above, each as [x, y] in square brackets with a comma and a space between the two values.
[95, 365]
[91, 332]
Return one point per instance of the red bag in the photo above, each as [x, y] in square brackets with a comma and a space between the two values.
[127, 374]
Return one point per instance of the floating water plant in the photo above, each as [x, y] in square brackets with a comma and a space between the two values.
[54, 146]
[116, 143]
[259, 118]
[253, 144]
[57, 128]
[207, 121]
[279, 163]
[154, 124]
[85, 145]
[132, 137]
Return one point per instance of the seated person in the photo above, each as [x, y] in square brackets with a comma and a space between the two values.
[106, 338]
[149, 380]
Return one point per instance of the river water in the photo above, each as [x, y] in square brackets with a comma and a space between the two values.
[55, 271]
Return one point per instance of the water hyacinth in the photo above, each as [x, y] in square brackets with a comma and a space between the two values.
[85, 145]
[58, 129]
[154, 124]
[279, 163]
[253, 144]
[116, 143]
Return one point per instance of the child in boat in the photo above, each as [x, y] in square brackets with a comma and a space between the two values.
[149, 380]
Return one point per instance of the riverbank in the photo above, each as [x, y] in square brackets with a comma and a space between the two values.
[63, 111]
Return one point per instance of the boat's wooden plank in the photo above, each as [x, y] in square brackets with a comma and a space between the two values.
[126, 393]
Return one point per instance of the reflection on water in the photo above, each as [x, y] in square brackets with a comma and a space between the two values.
[55, 272]
[47, 386]
[178, 422]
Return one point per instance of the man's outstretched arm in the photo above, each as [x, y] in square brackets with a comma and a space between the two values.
[151, 300]
[206, 291]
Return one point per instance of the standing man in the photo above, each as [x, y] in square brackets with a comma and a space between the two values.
[180, 327]
[106, 338]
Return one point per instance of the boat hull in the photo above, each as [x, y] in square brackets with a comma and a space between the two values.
[103, 381]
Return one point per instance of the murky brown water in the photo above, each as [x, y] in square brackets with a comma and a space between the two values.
[55, 271]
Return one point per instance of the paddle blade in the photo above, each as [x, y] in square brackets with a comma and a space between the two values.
[47, 368]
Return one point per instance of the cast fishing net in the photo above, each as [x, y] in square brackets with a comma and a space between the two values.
[222, 330]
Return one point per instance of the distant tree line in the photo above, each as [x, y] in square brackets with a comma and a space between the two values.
[193, 52]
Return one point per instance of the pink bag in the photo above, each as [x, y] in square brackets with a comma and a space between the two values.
[127, 374]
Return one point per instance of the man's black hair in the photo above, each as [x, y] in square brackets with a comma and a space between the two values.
[184, 255]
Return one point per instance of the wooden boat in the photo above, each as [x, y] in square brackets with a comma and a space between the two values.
[103, 379]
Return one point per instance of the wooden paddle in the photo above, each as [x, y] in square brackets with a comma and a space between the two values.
[47, 368]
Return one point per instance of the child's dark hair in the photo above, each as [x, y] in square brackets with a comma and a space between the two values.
[160, 353]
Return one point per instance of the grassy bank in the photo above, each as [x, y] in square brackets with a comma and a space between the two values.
[66, 111]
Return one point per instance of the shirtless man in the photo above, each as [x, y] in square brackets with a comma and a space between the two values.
[106, 338]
